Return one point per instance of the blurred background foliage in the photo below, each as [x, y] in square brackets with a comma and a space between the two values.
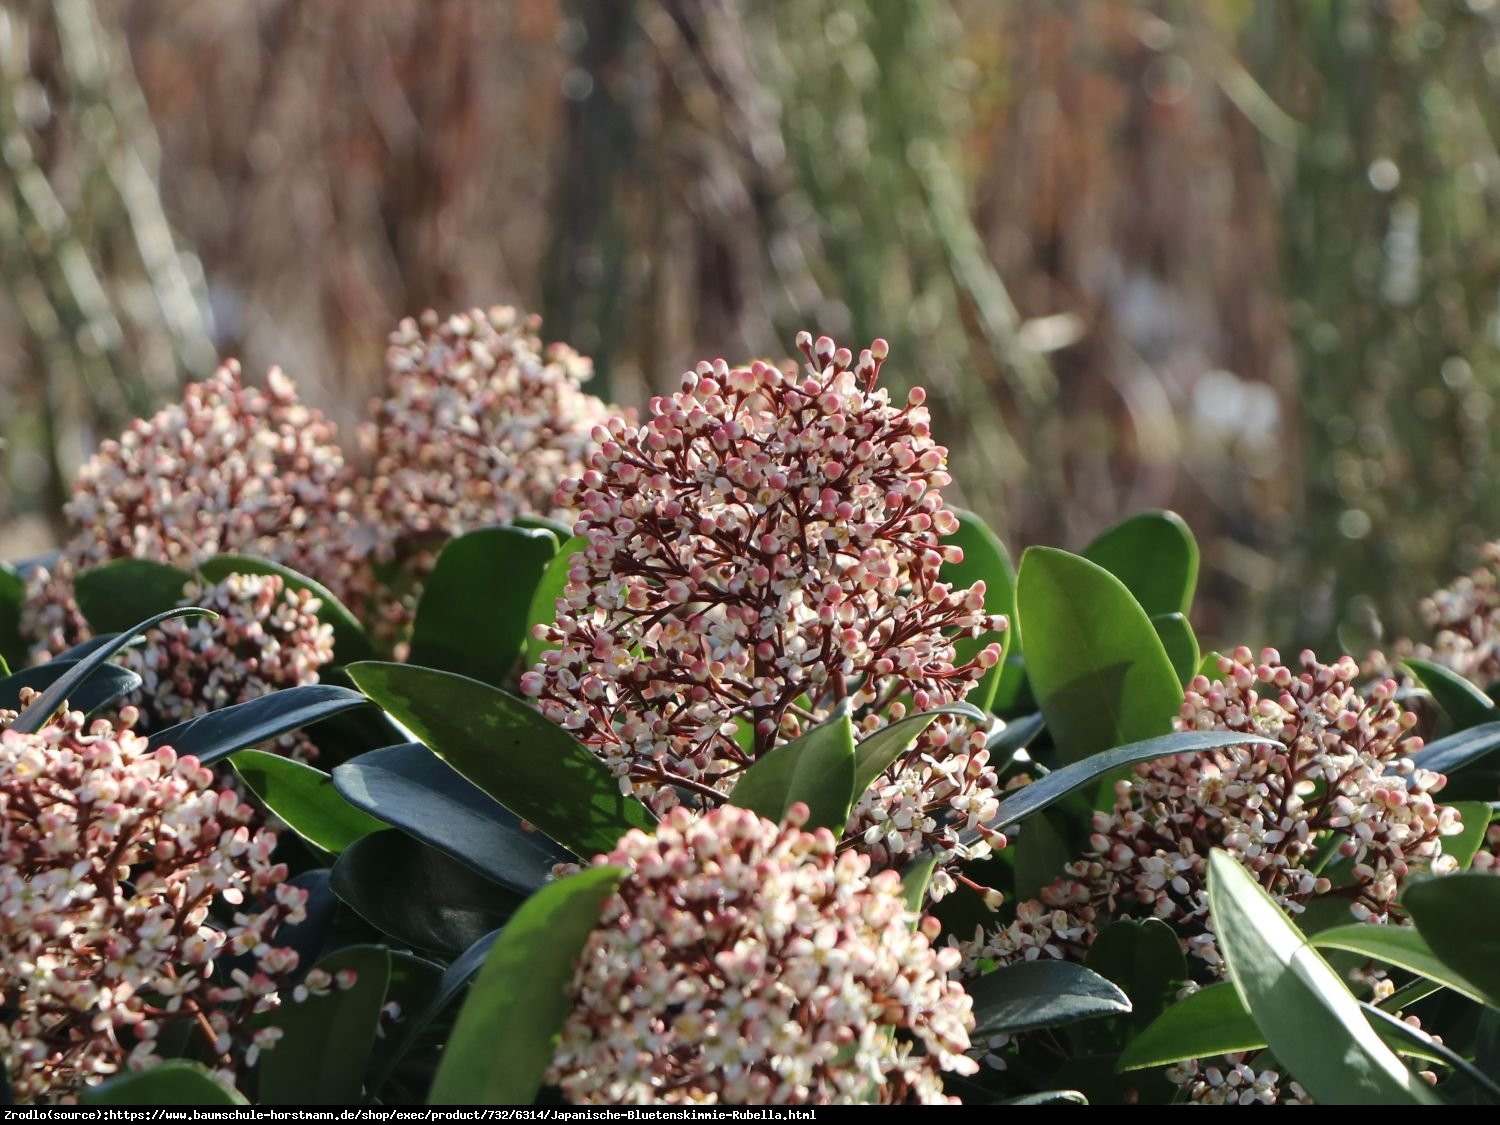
[1234, 258]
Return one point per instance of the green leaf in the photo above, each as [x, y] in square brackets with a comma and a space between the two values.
[1211, 1021]
[1402, 946]
[218, 734]
[418, 895]
[1042, 851]
[326, 1040]
[1177, 638]
[174, 1082]
[44, 706]
[504, 1038]
[817, 769]
[985, 560]
[112, 597]
[1446, 910]
[1463, 847]
[1408, 1040]
[1460, 700]
[350, 641]
[915, 879]
[533, 768]
[1029, 995]
[106, 684]
[1048, 1097]
[474, 608]
[413, 789]
[13, 645]
[305, 798]
[543, 608]
[1144, 958]
[875, 753]
[1094, 660]
[1451, 754]
[560, 531]
[1298, 1001]
[1155, 555]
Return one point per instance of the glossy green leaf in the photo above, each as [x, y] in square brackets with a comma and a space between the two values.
[816, 769]
[560, 530]
[1456, 751]
[113, 596]
[1155, 555]
[474, 609]
[1048, 1097]
[1029, 995]
[985, 560]
[174, 1082]
[1460, 700]
[1144, 958]
[915, 880]
[504, 746]
[12, 601]
[350, 641]
[418, 895]
[1298, 1001]
[413, 789]
[1408, 1040]
[504, 1038]
[1402, 946]
[1180, 643]
[875, 753]
[543, 608]
[1041, 852]
[217, 734]
[1463, 847]
[305, 798]
[1446, 910]
[1211, 1021]
[326, 1040]
[104, 686]
[1094, 660]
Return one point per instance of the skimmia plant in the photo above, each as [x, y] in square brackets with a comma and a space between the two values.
[544, 753]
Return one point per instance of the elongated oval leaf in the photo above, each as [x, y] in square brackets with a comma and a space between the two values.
[1142, 957]
[915, 880]
[1180, 643]
[1402, 946]
[1446, 910]
[108, 683]
[1041, 852]
[1097, 667]
[875, 752]
[985, 560]
[1298, 1001]
[173, 1082]
[1155, 555]
[535, 769]
[1211, 1021]
[1451, 754]
[112, 597]
[413, 789]
[504, 1038]
[218, 734]
[305, 798]
[350, 641]
[474, 607]
[53, 696]
[1463, 847]
[817, 769]
[1464, 703]
[1029, 995]
[560, 530]
[543, 608]
[1408, 1040]
[12, 600]
[326, 1040]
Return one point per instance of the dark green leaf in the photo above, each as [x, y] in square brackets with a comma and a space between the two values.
[816, 769]
[412, 788]
[112, 597]
[1155, 555]
[305, 798]
[1048, 1097]
[473, 613]
[350, 641]
[503, 1041]
[1211, 1021]
[174, 1082]
[418, 895]
[1464, 703]
[560, 531]
[985, 560]
[1017, 734]
[1029, 995]
[1451, 754]
[45, 705]
[108, 683]
[875, 752]
[1181, 645]
[1408, 1040]
[535, 769]
[326, 1040]
[1042, 851]
[12, 601]
[1094, 660]
[543, 608]
[1144, 958]
[1446, 910]
[1298, 1002]
[1463, 847]
[218, 734]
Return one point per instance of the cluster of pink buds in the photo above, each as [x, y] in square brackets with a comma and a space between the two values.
[1464, 619]
[1340, 787]
[750, 963]
[266, 637]
[763, 548]
[1234, 1081]
[124, 877]
[230, 469]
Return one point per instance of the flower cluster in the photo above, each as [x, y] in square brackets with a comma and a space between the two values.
[265, 638]
[1234, 1081]
[230, 469]
[1339, 786]
[124, 877]
[745, 962]
[765, 547]
[1465, 620]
